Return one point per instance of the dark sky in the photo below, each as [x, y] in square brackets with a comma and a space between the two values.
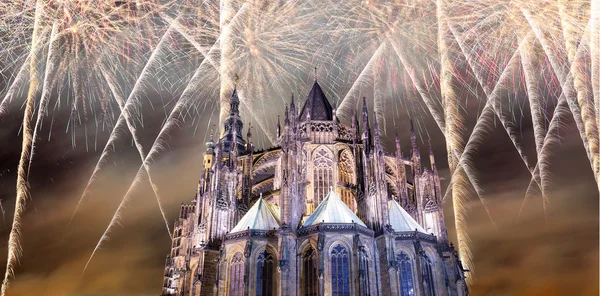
[534, 253]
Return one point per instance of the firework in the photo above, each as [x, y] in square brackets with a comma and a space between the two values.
[421, 55]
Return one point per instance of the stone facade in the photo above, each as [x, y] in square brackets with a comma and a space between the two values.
[326, 212]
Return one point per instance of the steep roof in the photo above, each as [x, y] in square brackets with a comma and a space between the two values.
[332, 210]
[401, 220]
[316, 105]
[261, 216]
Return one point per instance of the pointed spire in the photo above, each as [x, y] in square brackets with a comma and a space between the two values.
[366, 134]
[286, 122]
[292, 105]
[397, 138]
[355, 124]
[431, 157]
[234, 104]
[316, 106]
[416, 155]
[278, 127]
[333, 112]
[249, 138]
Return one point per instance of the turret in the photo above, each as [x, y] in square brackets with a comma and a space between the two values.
[278, 127]
[366, 133]
[416, 172]
[376, 136]
[249, 139]
[402, 189]
[436, 176]
[415, 154]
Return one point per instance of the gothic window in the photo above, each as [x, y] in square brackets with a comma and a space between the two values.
[236, 275]
[322, 174]
[265, 270]
[340, 271]
[406, 279]
[363, 272]
[310, 275]
[428, 283]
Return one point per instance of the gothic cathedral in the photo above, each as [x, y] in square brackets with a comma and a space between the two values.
[327, 212]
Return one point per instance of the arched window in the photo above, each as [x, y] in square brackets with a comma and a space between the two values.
[363, 272]
[310, 274]
[265, 270]
[322, 174]
[427, 272]
[236, 275]
[340, 271]
[406, 279]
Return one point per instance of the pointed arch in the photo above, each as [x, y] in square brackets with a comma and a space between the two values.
[236, 275]
[340, 271]
[427, 274]
[405, 274]
[310, 272]
[265, 273]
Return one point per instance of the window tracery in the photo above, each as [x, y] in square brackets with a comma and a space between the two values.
[310, 273]
[428, 283]
[406, 279]
[340, 271]
[265, 269]
[236, 275]
[322, 174]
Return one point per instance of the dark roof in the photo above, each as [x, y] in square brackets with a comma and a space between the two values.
[316, 105]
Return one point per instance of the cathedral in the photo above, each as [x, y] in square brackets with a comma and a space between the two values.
[326, 212]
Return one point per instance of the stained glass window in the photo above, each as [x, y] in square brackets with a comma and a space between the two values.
[363, 273]
[310, 275]
[322, 174]
[236, 275]
[406, 279]
[265, 270]
[340, 271]
[428, 283]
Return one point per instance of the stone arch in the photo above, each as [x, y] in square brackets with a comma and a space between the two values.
[253, 271]
[308, 268]
[330, 247]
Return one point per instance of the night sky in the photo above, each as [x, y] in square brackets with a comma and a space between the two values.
[534, 253]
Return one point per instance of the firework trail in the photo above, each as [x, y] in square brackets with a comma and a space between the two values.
[493, 99]
[14, 247]
[429, 102]
[351, 99]
[227, 68]
[124, 118]
[23, 72]
[595, 61]
[553, 127]
[158, 144]
[454, 144]
[577, 67]
[537, 112]
[560, 73]
[47, 87]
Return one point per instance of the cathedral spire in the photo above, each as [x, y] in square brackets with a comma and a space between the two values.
[416, 155]
[249, 138]
[431, 156]
[366, 134]
[278, 127]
